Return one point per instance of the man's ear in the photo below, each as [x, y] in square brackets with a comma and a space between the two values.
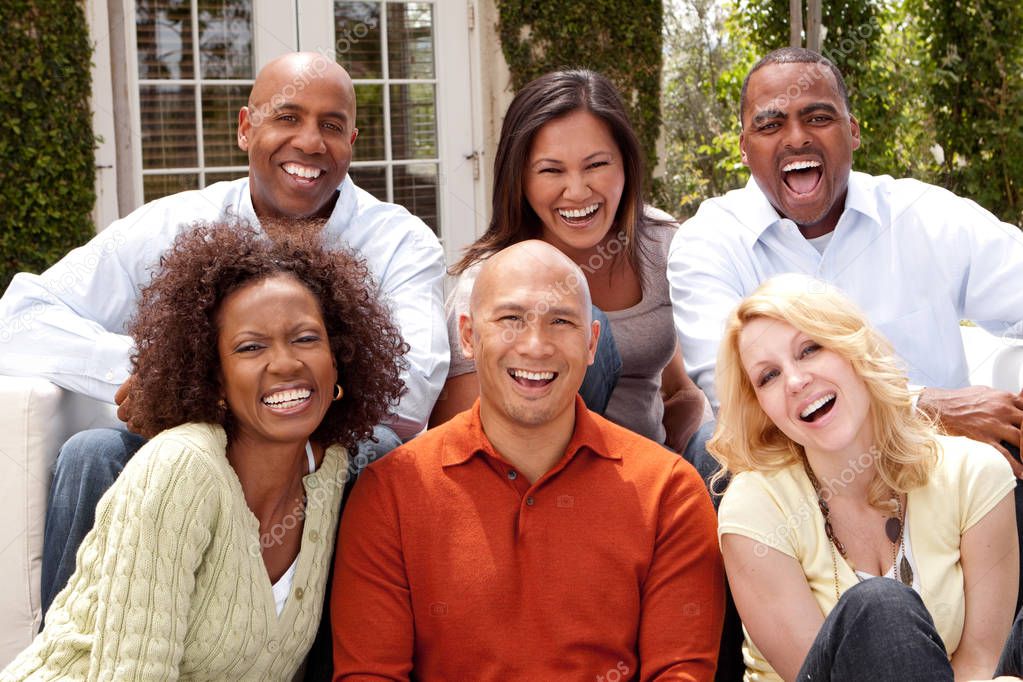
[465, 336]
[742, 149]
[244, 126]
[355, 134]
[591, 352]
[854, 127]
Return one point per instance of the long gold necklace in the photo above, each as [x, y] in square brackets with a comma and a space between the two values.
[894, 528]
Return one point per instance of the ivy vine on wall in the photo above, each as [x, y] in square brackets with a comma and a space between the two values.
[47, 162]
[620, 38]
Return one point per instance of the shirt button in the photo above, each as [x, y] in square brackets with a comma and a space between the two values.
[272, 646]
[529, 501]
[299, 593]
[314, 536]
[513, 475]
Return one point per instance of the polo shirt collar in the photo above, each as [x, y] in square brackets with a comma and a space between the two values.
[473, 441]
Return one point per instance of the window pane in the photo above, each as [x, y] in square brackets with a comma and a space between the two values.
[369, 117]
[164, 30]
[225, 38]
[413, 122]
[168, 126]
[156, 186]
[415, 188]
[410, 40]
[357, 38]
[229, 175]
[220, 105]
[373, 179]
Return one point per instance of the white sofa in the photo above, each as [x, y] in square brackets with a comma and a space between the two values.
[36, 417]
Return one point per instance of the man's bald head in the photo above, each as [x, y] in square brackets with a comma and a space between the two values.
[298, 130]
[283, 77]
[532, 261]
[531, 333]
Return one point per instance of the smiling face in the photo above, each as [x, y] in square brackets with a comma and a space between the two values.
[277, 371]
[574, 179]
[531, 336]
[798, 140]
[812, 394]
[298, 130]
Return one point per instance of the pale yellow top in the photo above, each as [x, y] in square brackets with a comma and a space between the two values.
[780, 510]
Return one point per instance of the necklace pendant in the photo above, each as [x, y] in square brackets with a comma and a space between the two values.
[905, 572]
[893, 529]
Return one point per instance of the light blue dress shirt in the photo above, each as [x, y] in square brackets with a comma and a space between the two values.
[68, 324]
[916, 258]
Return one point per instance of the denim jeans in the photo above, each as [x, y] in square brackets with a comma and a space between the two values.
[87, 465]
[879, 630]
[602, 376]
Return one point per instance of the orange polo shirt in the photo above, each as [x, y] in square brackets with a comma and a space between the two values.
[452, 566]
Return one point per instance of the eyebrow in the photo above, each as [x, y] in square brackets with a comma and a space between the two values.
[587, 158]
[289, 106]
[769, 114]
[555, 310]
[818, 106]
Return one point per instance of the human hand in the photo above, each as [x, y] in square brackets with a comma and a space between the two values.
[984, 414]
[124, 406]
[683, 413]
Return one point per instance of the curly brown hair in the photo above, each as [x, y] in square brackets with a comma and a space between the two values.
[176, 364]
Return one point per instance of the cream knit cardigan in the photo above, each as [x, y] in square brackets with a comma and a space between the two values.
[170, 583]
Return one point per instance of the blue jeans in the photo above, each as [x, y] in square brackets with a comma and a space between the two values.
[602, 376]
[879, 630]
[87, 465]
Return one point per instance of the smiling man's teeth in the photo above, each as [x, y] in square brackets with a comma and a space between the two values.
[816, 405]
[288, 398]
[302, 171]
[532, 376]
[578, 213]
[801, 165]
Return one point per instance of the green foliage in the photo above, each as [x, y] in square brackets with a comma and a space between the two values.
[974, 63]
[47, 166]
[703, 74]
[619, 38]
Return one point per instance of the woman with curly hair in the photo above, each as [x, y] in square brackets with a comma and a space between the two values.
[260, 363]
[569, 171]
[837, 479]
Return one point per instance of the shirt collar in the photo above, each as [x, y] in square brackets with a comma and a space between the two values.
[759, 215]
[468, 439]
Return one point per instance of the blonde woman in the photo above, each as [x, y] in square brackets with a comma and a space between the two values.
[836, 479]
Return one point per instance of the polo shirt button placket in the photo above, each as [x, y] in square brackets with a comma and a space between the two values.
[512, 474]
[529, 501]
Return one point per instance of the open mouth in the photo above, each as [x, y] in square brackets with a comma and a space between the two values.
[285, 400]
[578, 216]
[802, 177]
[532, 379]
[818, 408]
[301, 172]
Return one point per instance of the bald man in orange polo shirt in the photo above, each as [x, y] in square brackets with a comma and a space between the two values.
[528, 538]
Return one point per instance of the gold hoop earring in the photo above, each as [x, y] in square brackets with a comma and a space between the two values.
[338, 392]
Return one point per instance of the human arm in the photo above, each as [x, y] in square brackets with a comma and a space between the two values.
[371, 607]
[980, 413]
[704, 289]
[773, 600]
[682, 596]
[462, 386]
[989, 554]
[131, 593]
[683, 403]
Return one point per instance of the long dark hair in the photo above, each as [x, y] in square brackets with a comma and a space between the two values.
[552, 96]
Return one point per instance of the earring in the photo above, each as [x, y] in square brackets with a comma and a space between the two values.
[338, 392]
[222, 404]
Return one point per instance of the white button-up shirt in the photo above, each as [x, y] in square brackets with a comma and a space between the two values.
[68, 324]
[916, 258]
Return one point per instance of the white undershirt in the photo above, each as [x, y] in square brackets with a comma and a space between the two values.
[863, 575]
[282, 588]
[820, 243]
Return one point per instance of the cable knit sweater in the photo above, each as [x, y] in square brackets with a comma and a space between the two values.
[170, 583]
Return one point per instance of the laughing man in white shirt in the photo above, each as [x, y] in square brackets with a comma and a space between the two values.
[68, 324]
[915, 257]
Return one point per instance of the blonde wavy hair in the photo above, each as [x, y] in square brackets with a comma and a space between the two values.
[905, 447]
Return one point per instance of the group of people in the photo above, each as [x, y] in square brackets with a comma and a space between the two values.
[533, 484]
